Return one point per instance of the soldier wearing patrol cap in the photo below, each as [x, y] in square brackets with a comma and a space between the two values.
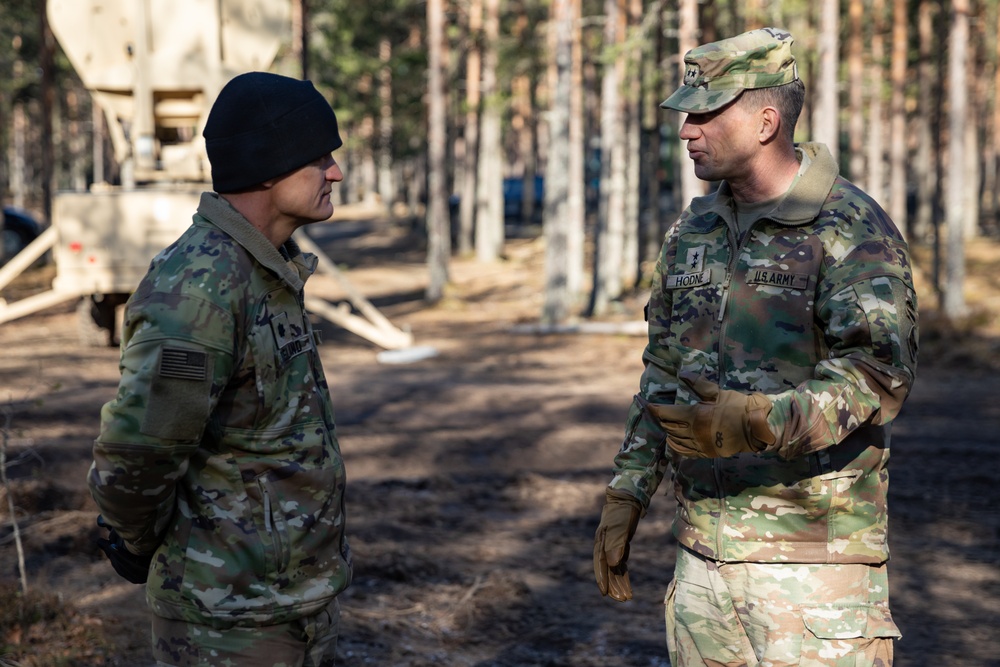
[782, 344]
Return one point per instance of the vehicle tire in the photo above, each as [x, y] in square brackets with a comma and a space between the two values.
[98, 319]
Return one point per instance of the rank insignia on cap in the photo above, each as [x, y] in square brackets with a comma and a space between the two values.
[691, 75]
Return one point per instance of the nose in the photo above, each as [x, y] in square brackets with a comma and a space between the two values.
[333, 173]
[688, 129]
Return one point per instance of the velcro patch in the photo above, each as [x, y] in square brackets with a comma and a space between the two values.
[181, 364]
[682, 280]
[795, 281]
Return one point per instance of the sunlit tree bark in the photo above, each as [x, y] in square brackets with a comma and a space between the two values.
[954, 305]
[608, 245]
[856, 74]
[489, 239]
[897, 131]
[825, 114]
[438, 241]
[876, 121]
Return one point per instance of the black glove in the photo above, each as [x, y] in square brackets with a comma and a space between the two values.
[128, 565]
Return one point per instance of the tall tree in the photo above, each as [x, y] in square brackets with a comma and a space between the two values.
[876, 121]
[633, 143]
[855, 68]
[473, 74]
[954, 305]
[992, 120]
[386, 184]
[825, 114]
[691, 185]
[925, 172]
[46, 53]
[608, 245]
[576, 205]
[558, 298]
[489, 239]
[438, 241]
[897, 128]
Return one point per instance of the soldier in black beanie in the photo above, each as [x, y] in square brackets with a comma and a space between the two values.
[218, 469]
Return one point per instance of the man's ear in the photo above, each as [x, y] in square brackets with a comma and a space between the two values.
[770, 124]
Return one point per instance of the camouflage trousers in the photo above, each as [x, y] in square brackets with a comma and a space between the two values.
[306, 642]
[778, 614]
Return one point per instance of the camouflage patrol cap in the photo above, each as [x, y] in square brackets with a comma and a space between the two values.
[715, 74]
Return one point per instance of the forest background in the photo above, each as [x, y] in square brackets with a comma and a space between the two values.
[439, 102]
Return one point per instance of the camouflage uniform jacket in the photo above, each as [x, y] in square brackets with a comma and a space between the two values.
[219, 451]
[815, 308]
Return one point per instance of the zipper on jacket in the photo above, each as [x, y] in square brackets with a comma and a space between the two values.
[267, 509]
[725, 295]
[737, 246]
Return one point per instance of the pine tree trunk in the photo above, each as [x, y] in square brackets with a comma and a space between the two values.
[608, 248]
[386, 185]
[691, 185]
[558, 299]
[990, 122]
[655, 223]
[856, 69]
[876, 121]
[438, 242]
[954, 305]
[633, 154]
[48, 98]
[576, 210]
[489, 211]
[473, 74]
[898, 140]
[925, 171]
[825, 122]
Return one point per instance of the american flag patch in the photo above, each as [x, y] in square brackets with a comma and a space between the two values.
[183, 364]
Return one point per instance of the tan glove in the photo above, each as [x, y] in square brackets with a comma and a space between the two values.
[619, 518]
[724, 423]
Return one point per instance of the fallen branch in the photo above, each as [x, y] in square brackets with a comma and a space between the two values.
[8, 414]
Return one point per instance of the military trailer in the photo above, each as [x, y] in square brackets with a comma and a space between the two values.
[154, 68]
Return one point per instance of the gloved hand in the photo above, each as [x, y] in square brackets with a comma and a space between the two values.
[619, 518]
[724, 423]
[133, 567]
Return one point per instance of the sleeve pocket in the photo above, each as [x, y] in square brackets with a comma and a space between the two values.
[179, 399]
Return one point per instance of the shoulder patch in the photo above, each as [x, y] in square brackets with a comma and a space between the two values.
[181, 364]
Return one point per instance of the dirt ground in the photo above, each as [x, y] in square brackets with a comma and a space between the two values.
[476, 477]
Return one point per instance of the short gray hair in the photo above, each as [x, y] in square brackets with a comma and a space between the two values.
[787, 99]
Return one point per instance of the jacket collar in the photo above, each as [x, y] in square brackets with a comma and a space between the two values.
[289, 263]
[803, 202]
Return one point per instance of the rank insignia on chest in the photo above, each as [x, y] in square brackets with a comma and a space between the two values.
[695, 259]
[290, 341]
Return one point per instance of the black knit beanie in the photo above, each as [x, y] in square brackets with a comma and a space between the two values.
[264, 125]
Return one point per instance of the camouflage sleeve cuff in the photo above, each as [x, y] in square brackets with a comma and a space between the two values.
[642, 461]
